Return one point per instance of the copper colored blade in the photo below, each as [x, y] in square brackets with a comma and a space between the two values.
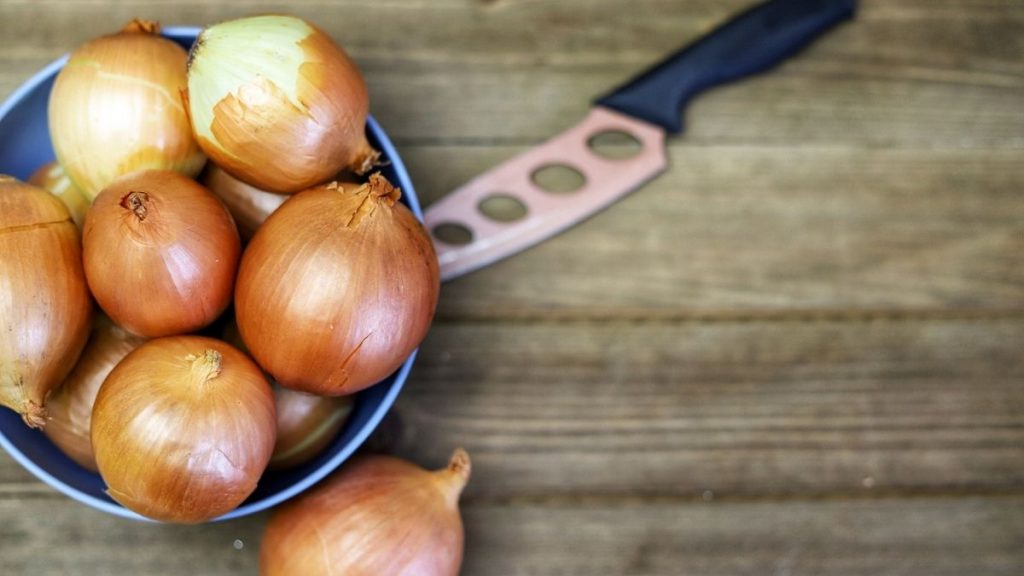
[547, 213]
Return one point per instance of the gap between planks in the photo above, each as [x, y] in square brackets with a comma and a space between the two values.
[39, 491]
[676, 316]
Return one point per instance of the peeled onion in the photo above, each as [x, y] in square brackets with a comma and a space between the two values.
[52, 178]
[276, 103]
[116, 107]
[377, 515]
[337, 288]
[249, 205]
[45, 308]
[70, 405]
[161, 253]
[183, 428]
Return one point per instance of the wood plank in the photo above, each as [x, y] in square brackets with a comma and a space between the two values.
[752, 409]
[740, 230]
[735, 229]
[931, 537]
[906, 75]
[53, 535]
[478, 30]
[927, 537]
[755, 408]
[797, 352]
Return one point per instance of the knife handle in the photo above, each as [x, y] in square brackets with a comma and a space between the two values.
[752, 42]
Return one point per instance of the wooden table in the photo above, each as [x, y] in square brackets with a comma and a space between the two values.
[799, 351]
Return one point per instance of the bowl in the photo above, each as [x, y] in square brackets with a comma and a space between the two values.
[24, 146]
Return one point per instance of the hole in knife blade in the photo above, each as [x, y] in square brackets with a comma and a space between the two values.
[614, 144]
[558, 178]
[452, 233]
[502, 208]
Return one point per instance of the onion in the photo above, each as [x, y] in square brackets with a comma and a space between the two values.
[306, 424]
[275, 102]
[116, 107]
[70, 406]
[54, 180]
[249, 205]
[160, 253]
[183, 428]
[378, 515]
[337, 288]
[44, 302]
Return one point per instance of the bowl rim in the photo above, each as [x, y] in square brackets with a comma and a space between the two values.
[397, 380]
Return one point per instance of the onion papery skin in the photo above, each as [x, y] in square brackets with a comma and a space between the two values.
[45, 307]
[52, 178]
[116, 107]
[377, 515]
[70, 405]
[183, 428]
[337, 288]
[306, 424]
[249, 205]
[275, 102]
[161, 252]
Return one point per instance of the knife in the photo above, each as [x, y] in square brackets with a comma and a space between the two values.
[646, 108]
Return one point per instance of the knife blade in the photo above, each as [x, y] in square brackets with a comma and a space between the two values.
[647, 108]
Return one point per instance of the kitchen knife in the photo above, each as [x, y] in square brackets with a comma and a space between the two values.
[646, 108]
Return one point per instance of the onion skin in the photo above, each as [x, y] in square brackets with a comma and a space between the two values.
[176, 250]
[70, 405]
[183, 428]
[116, 108]
[306, 424]
[337, 288]
[249, 205]
[275, 102]
[45, 308]
[377, 515]
[52, 178]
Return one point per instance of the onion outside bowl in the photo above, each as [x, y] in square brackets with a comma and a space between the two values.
[24, 147]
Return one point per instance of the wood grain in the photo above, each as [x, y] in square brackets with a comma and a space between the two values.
[802, 214]
[518, 72]
[753, 231]
[554, 410]
[972, 536]
[574, 410]
[921, 536]
[796, 352]
[732, 230]
[48, 536]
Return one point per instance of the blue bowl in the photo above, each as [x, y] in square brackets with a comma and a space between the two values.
[24, 146]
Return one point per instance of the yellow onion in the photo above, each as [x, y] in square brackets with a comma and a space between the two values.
[160, 254]
[276, 103]
[70, 405]
[183, 428]
[377, 515]
[116, 107]
[306, 423]
[249, 205]
[337, 288]
[45, 308]
[52, 178]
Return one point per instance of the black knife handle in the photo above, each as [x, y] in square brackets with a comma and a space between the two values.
[750, 43]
